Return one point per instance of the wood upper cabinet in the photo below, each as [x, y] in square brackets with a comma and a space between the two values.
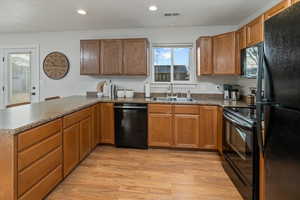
[204, 56]
[111, 57]
[71, 148]
[160, 130]
[255, 31]
[186, 131]
[90, 57]
[85, 137]
[107, 123]
[277, 9]
[240, 43]
[208, 127]
[224, 54]
[295, 1]
[135, 58]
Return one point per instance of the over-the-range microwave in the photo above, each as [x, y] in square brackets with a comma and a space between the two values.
[250, 60]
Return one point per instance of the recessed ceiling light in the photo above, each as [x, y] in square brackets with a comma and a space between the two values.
[153, 8]
[81, 12]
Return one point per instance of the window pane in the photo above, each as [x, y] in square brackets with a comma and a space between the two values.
[162, 73]
[181, 64]
[162, 56]
[20, 83]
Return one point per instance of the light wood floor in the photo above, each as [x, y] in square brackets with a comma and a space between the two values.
[126, 174]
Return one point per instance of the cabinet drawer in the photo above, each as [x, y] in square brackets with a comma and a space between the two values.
[160, 108]
[33, 174]
[37, 151]
[38, 134]
[41, 189]
[76, 117]
[186, 109]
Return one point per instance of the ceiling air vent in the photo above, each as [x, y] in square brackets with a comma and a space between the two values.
[171, 14]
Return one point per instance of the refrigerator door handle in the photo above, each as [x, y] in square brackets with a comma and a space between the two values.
[259, 128]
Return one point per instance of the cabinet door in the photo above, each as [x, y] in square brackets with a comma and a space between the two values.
[135, 58]
[208, 127]
[89, 57]
[220, 130]
[95, 127]
[277, 9]
[71, 148]
[224, 54]
[204, 56]
[107, 123]
[85, 137]
[160, 130]
[255, 31]
[186, 130]
[111, 57]
[240, 43]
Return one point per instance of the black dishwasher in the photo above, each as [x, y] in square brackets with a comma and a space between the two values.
[131, 125]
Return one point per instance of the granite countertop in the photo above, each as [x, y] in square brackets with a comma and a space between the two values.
[18, 119]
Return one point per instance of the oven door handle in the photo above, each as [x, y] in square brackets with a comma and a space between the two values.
[237, 122]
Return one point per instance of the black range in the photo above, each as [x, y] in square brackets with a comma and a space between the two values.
[240, 150]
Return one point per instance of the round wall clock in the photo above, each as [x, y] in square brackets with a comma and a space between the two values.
[56, 65]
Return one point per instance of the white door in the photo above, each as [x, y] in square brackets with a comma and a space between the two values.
[21, 76]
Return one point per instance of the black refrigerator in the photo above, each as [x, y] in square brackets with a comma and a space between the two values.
[278, 105]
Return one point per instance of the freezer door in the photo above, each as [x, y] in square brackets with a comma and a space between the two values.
[282, 154]
[282, 55]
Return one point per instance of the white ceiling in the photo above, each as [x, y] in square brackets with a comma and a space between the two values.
[60, 15]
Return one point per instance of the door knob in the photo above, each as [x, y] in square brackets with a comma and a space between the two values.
[33, 93]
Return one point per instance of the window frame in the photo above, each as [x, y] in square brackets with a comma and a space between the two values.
[191, 64]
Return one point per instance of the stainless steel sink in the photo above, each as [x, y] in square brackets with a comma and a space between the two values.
[173, 99]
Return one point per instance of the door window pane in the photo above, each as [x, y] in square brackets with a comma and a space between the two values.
[181, 64]
[20, 79]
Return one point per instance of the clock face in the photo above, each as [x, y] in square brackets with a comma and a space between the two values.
[56, 65]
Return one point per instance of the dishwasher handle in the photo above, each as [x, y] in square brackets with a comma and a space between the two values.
[131, 107]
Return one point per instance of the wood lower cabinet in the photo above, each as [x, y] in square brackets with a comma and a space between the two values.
[135, 56]
[220, 130]
[208, 127]
[90, 57]
[262, 178]
[95, 126]
[224, 54]
[186, 131]
[183, 126]
[39, 161]
[107, 123]
[277, 9]
[85, 144]
[71, 148]
[204, 56]
[76, 138]
[160, 130]
[255, 31]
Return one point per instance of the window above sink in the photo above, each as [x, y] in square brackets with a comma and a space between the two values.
[172, 64]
